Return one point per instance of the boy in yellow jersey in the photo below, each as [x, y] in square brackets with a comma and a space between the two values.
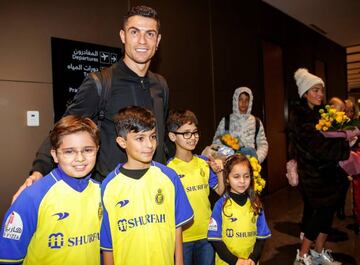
[57, 220]
[197, 178]
[145, 204]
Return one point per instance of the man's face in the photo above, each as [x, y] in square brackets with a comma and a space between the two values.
[140, 37]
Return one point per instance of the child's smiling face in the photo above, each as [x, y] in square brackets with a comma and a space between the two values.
[76, 154]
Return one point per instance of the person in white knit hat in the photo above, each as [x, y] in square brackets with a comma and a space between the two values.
[317, 159]
[305, 81]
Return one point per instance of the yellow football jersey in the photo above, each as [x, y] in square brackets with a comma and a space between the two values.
[197, 179]
[238, 229]
[55, 221]
[141, 215]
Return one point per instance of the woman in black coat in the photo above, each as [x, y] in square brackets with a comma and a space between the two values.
[319, 174]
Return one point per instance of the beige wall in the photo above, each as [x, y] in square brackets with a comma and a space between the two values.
[26, 74]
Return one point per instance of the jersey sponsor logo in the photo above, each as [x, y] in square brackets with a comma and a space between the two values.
[159, 197]
[229, 232]
[197, 187]
[126, 224]
[57, 240]
[246, 234]
[213, 225]
[122, 203]
[13, 226]
[83, 239]
[61, 215]
[233, 219]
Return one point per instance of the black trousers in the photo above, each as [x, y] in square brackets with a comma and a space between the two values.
[315, 221]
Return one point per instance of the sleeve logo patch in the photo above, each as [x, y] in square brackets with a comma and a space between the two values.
[213, 225]
[13, 226]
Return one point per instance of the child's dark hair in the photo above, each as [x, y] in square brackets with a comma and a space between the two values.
[229, 163]
[143, 11]
[133, 119]
[72, 124]
[178, 118]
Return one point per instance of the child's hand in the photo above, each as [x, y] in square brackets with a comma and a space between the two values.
[216, 165]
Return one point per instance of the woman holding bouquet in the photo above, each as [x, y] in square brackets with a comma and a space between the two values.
[319, 174]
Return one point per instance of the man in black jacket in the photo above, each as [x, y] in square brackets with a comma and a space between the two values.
[132, 84]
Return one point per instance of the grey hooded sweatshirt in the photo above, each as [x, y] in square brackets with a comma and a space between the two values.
[243, 126]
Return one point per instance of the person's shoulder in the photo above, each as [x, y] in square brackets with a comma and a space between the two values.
[156, 76]
[219, 203]
[111, 176]
[42, 186]
[202, 157]
[164, 169]
[35, 193]
[167, 172]
[170, 160]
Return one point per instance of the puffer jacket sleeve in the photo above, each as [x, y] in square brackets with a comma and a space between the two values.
[219, 131]
[261, 144]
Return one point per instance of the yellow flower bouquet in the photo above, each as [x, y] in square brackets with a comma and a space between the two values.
[332, 120]
[335, 124]
[230, 141]
[259, 182]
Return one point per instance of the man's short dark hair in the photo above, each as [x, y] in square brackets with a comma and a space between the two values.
[134, 119]
[143, 11]
[178, 118]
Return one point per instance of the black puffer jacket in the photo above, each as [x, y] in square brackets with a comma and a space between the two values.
[127, 89]
[317, 157]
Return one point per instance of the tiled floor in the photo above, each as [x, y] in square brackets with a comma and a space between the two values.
[283, 212]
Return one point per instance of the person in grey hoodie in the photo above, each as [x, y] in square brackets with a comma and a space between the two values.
[242, 124]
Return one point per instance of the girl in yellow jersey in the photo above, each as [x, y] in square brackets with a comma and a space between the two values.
[238, 226]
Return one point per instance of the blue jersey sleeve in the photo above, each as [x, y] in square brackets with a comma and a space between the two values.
[263, 230]
[105, 233]
[215, 224]
[18, 228]
[213, 179]
[183, 210]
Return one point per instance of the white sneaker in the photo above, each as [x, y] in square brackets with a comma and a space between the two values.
[323, 258]
[305, 260]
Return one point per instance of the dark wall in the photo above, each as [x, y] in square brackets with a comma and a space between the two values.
[184, 58]
[236, 49]
[302, 47]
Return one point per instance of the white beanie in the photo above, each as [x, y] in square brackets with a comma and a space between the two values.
[305, 80]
